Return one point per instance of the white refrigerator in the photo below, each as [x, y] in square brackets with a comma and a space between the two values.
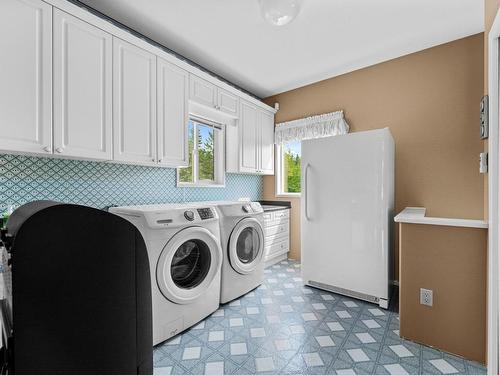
[347, 214]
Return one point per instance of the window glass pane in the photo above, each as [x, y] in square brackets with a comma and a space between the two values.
[291, 167]
[186, 173]
[206, 153]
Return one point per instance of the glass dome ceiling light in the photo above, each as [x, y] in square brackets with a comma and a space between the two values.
[279, 12]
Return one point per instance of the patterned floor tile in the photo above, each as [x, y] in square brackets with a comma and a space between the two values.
[283, 327]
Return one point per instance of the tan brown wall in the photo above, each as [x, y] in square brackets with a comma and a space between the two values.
[430, 102]
[450, 261]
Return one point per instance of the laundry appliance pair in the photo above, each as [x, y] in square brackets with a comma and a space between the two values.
[201, 254]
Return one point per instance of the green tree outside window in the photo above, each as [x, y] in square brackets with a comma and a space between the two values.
[291, 167]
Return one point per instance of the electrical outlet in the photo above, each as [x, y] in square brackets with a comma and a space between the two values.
[426, 297]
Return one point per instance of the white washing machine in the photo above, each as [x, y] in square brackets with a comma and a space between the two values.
[242, 239]
[185, 257]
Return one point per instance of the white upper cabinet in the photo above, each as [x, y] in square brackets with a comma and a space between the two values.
[250, 145]
[75, 85]
[134, 103]
[227, 102]
[266, 144]
[208, 94]
[173, 115]
[82, 89]
[202, 92]
[249, 124]
[25, 76]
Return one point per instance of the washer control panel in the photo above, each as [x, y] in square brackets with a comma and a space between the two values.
[205, 213]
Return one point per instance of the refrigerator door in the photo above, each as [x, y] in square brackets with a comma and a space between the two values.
[346, 209]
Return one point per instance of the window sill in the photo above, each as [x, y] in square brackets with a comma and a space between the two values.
[289, 195]
[187, 185]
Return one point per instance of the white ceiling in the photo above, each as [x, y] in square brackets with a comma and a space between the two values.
[328, 38]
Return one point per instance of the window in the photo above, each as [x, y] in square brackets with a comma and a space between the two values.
[206, 155]
[288, 168]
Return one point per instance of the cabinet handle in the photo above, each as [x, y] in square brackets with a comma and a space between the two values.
[159, 160]
[153, 159]
[47, 149]
[59, 150]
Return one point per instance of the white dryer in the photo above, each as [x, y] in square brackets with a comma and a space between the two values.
[185, 256]
[242, 239]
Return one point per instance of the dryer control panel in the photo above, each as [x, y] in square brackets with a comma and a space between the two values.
[252, 207]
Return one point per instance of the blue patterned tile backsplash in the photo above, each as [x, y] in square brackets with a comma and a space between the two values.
[98, 184]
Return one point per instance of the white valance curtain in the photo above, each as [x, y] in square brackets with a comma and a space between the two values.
[325, 125]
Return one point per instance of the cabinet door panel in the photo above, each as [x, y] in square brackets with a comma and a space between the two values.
[227, 102]
[134, 103]
[25, 76]
[82, 88]
[202, 92]
[266, 143]
[248, 138]
[173, 115]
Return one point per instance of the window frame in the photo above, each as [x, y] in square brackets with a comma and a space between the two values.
[278, 163]
[219, 155]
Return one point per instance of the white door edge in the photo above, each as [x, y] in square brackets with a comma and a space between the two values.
[493, 325]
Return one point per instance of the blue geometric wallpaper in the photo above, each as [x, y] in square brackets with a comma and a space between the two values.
[99, 184]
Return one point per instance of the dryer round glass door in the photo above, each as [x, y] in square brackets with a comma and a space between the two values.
[188, 264]
[246, 245]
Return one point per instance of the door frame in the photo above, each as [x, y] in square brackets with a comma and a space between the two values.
[493, 194]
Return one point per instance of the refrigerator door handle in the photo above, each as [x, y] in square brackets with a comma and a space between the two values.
[306, 212]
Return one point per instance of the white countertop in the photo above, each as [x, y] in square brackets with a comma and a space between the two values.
[416, 215]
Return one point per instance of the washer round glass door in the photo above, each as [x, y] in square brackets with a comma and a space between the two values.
[188, 264]
[246, 245]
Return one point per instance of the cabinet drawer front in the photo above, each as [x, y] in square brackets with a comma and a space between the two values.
[274, 249]
[276, 229]
[276, 221]
[274, 239]
[268, 216]
[281, 214]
